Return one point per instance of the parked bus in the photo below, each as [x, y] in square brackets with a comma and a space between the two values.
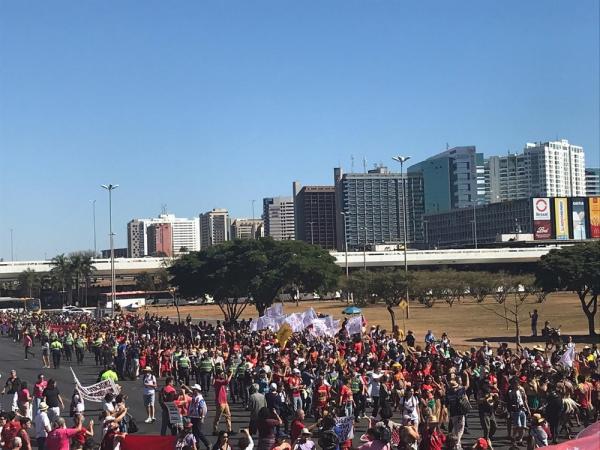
[16, 304]
[136, 299]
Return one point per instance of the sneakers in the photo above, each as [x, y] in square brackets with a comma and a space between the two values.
[148, 420]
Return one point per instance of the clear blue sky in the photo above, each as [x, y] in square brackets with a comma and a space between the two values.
[202, 104]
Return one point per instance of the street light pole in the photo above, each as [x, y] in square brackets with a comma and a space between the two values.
[402, 160]
[94, 221]
[110, 188]
[12, 249]
[345, 244]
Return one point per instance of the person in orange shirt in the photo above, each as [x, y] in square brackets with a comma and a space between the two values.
[346, 398]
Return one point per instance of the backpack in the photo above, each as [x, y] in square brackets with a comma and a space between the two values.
[329, 440]
[383, 433]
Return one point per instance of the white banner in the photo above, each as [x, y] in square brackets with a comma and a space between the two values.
[354, 325]
[541, 209]
[568, 357]
[96, 392]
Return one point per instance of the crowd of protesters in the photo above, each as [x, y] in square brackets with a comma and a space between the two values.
[410, 393]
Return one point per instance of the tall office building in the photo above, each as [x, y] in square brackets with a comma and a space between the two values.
[509, 177]
[547, 169]
[452, 179]
[160, 239]
[247, 229]
[278, 217]
[592, 182]
[136, 239]
[184, 234]
[315, 215]
[556, 169]
[214, 228]
[369, 208]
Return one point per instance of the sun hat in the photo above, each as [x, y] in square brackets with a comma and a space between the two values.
[147, 369]
[273, 386]
[43, 406]
[306, 431]
[109, 418]
[196, 387]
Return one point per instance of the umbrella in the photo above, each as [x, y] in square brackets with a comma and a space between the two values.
[352, 310]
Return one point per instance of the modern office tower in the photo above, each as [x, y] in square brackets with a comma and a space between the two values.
[136, 238]
[315, 215]
[508, 177]
[214, 228]
[556, 169]
[592, 182]
[160, 239]
[452, 179]
[278, 217]
[369, 209]
[246, 229]
[184, 234]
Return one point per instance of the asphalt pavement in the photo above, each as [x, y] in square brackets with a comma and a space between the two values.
[87, 373]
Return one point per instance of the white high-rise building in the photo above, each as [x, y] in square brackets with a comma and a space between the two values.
[214, 227]
[185, 238]
[545, 169]
[278, 217]
[556, 169]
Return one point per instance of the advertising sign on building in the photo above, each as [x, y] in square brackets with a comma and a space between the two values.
[561, 218]
[542, 223]
[541, 209]
[578, 214]
[594, 209]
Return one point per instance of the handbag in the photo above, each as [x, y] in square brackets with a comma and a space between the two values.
[464, 405]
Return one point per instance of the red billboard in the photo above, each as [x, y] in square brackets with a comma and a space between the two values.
[542, 229]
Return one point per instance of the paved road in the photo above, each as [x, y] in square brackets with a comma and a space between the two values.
[13, 358]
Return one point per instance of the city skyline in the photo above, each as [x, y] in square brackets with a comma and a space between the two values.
[202, 107]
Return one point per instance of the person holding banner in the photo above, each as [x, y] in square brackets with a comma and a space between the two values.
[221, 382]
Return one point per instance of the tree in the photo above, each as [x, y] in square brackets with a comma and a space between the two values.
[145, 282]
[29, 282]
[391, 286]
[577, 269]
[62, 273]
[511, 293]
[361, 284]
[481, 285]
[237, 272]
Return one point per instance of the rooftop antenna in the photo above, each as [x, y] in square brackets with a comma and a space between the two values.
[352, 164]
[163, 208]
[447, 146]
[364, 164]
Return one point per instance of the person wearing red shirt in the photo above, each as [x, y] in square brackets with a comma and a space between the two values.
[23, 434]
[433, 437]
[60, 437]
[167, 394]
[294, 383]
[28, 343]
[346, 398]
[38, 392]
[10, 429]
[322, 397]
[220, 384]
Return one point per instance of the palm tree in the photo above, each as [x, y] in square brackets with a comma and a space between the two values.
[75, 261]
[62, 272]
[86, 270]
[29, 280]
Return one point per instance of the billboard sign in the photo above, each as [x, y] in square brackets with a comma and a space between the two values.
[541, 209]
[561, 218]
[578, 214]
[594, 213]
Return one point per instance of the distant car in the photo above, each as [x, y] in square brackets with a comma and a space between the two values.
[133, 307]
[191, 302]
[75, 310]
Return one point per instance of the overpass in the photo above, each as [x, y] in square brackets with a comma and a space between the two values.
[415, 258]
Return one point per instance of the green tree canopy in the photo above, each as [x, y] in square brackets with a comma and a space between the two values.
[575, 268]
[236, 272]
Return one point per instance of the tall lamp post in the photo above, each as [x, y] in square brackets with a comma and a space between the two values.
[110, 188]
[94, 221]
[402, 160]
[345, 243]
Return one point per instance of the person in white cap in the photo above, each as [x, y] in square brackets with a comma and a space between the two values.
[149, 381]
[41, 424]
[197, 411]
